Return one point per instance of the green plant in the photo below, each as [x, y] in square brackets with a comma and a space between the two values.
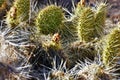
[112, 48]
[18, 13]
[49, 19]
[86, 25]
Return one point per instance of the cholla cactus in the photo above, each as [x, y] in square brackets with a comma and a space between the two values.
[100, 18]
[112, 48]
[49, 19]
[19, 12]
[86, 25]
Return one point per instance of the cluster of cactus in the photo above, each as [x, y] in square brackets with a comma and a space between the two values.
[91, 22]
[54, 35]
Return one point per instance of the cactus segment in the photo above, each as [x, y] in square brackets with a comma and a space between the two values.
[18, 13]
[86, 25]
[49, 19]
[112, 47]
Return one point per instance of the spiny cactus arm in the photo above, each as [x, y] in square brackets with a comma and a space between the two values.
[23, 9]
[49, 19]
[112, 48]
[86, 25]
[18, 13]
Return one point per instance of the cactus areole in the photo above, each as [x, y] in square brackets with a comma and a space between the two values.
[49, 19]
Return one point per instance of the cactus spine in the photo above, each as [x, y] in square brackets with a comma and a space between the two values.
[19, 12]
[49, 19]
[112, 48]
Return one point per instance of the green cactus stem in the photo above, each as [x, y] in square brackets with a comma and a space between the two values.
[112, 47]
[49, 19]
[18, 13]
[86, 25]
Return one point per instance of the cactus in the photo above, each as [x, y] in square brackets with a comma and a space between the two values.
[49, 19]
[100, 17]
[112, 47]
[86, 25]
[18, 13]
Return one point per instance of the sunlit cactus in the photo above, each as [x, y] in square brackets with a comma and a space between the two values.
[32, 34]
[18, 13]
[86, 25]
[49, 19]
[100, 18]
[111, 50]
